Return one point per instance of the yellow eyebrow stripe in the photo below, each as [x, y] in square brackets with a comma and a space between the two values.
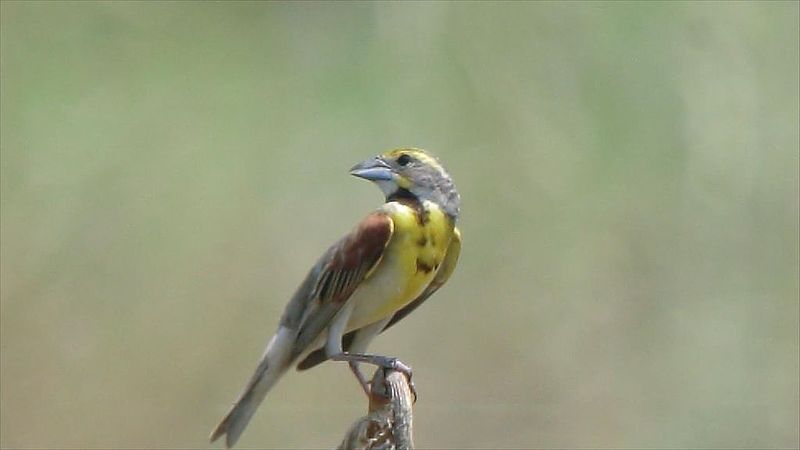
[418, 154]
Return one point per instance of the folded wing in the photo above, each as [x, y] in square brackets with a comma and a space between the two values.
[321, 295]
[448, 265]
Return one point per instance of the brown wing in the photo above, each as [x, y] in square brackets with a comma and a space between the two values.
[334, 278]
[448, 265]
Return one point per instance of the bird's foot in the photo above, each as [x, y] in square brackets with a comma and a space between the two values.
[387, 362]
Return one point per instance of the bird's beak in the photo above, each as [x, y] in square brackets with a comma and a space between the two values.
[374, 169]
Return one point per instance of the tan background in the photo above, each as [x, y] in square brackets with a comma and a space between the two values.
[630, 182]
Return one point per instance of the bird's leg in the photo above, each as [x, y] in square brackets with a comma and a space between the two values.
[360, 377]
[387, 362]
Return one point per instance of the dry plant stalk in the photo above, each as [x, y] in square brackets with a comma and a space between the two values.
[388, 424]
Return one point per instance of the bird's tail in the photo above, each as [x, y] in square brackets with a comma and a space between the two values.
[273, 364]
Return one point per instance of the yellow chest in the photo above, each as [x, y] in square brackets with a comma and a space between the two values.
[410, 261]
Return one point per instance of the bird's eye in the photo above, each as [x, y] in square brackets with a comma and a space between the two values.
[403, 159]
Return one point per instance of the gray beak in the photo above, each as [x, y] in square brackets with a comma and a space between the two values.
[374, 169]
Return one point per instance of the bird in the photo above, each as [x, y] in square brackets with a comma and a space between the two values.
[393, 260]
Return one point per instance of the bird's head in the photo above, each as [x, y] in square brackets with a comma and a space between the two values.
[411, 173]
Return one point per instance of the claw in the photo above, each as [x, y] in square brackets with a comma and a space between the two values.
[387, 362]
[405, 369]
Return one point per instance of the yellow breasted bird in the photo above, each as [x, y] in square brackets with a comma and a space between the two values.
[391, 262]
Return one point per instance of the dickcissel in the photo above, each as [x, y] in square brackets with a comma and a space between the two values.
[390, 263]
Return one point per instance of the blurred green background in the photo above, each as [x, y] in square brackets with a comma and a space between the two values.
[629, 174]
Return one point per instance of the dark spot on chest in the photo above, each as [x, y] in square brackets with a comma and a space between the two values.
[422, 266]
[423, 215]
[422, 241]
[406, 198]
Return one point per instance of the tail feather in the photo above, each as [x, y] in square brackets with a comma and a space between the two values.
[272, 365]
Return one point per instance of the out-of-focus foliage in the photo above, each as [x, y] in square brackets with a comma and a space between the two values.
[629, 174]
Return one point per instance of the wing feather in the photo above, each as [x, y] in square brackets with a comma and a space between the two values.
[335, 277]
[448, 266]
